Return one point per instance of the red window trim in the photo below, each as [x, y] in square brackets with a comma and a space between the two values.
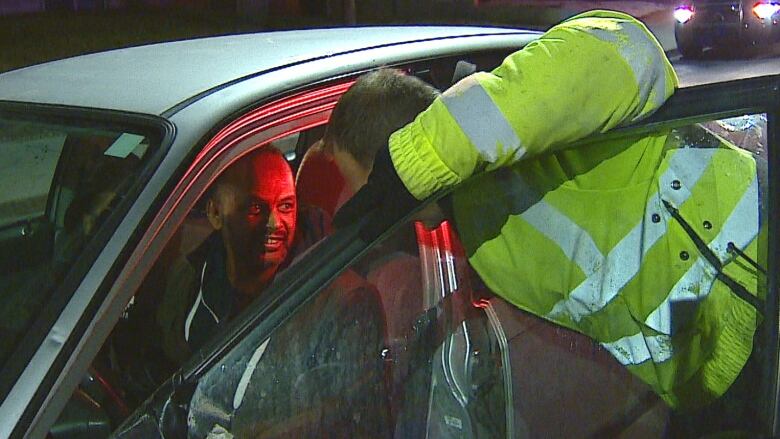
[316, 104]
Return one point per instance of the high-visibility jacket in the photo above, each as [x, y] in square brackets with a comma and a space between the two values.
[629, 241]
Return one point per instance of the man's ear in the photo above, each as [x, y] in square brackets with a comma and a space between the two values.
[213, 214]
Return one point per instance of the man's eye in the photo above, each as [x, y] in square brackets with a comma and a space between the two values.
[286, 207]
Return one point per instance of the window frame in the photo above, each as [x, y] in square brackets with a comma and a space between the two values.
[25, 383]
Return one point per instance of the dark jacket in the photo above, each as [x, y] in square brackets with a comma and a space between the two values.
[197, 297]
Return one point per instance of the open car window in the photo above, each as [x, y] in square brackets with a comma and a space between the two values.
[268, 207]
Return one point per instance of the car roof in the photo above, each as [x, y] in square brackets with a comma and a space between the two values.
[153, 78]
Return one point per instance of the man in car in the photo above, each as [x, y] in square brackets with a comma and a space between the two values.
[339, 335]
[622, 240]
[252, 210]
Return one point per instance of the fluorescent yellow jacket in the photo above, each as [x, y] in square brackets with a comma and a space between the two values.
[624, 240]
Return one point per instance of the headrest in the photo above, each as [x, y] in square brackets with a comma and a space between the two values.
[319, 182]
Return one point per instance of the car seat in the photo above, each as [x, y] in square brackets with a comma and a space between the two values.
[319, 182]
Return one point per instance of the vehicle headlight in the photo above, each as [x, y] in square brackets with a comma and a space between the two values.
[764, 10]
[683, 13]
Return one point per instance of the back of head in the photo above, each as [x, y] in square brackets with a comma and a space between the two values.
[378, 104]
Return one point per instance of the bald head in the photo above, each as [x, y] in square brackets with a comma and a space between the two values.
[253, 206]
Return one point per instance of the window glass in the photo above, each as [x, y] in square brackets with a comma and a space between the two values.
[403, 343]
[31, 154]
[59, 183]
[256, 220]
[322, 371]
[748, 132]
[642, 270]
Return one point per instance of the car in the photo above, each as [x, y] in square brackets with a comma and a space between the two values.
[106, 159]
[725, 24]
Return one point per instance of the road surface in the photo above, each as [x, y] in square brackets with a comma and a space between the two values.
[717, 67]
[657, 15]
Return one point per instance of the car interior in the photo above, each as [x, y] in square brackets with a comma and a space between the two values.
[47, 237]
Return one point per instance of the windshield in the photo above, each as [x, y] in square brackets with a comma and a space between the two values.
[58, 184]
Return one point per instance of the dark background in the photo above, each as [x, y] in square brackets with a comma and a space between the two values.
[34, 31]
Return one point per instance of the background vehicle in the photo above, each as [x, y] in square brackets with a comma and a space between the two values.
[105, 157]
[725, 24]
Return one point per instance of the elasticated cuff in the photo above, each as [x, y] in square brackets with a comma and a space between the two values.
[734, 348]
[725, 363]
[417, 163]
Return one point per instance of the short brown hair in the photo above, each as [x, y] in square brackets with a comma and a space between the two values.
[377, 104]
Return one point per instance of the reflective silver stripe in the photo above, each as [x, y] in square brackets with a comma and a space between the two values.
[741, 228]
[575, 242]
[742, 225]
[481, 120]
[243, 383]
[685, 169]
[637, 349]
[625, 259]
[621, 265]
[645, 59]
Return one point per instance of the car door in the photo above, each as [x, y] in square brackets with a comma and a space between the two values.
[400, 338]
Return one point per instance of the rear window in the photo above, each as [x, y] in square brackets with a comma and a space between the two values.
[58, 185]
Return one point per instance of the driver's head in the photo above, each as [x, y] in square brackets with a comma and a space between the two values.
[253, 206]
[376, 105]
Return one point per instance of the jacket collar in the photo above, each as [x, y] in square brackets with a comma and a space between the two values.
[218, 294]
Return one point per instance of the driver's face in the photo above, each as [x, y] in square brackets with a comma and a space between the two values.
[259, 220]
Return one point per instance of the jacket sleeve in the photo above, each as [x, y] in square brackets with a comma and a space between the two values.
[587, 75]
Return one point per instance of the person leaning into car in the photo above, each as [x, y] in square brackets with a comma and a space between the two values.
[610, 238]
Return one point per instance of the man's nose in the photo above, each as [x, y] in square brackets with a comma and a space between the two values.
[273, 220]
